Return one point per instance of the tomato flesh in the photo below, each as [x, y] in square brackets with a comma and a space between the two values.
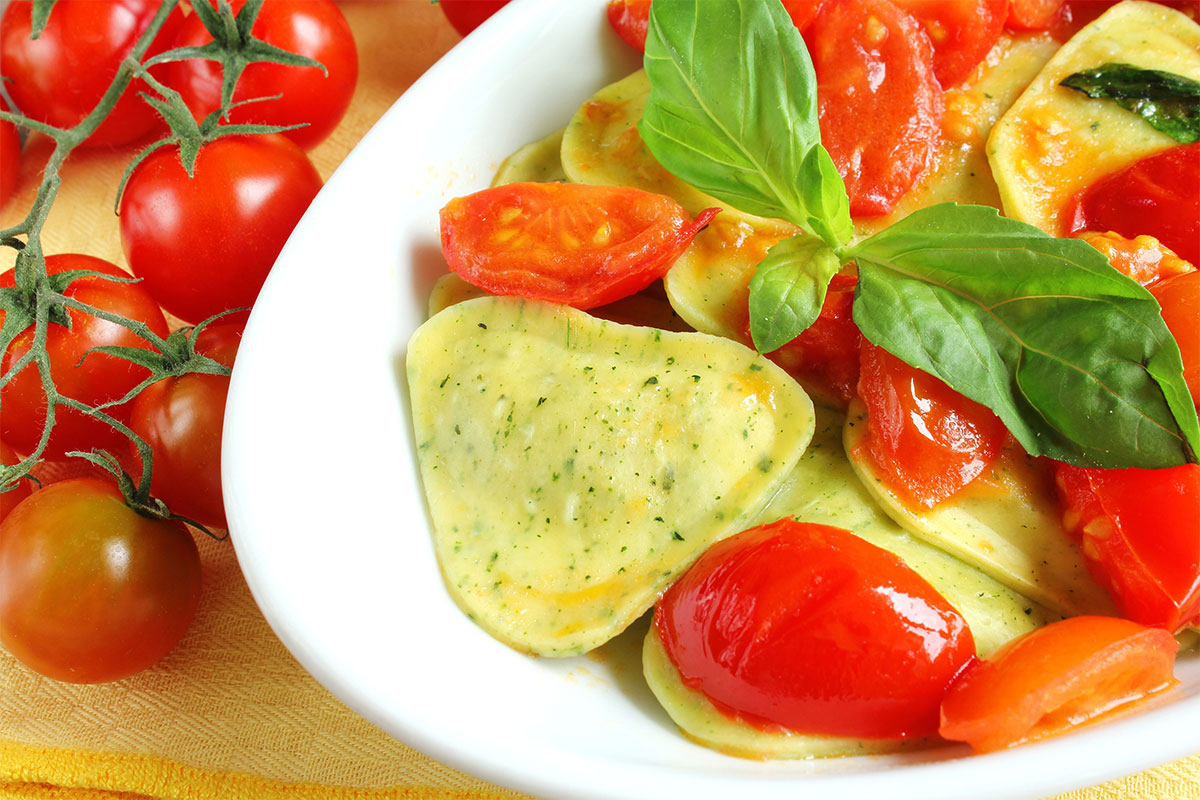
[810, 628]
[571, 243]
[1180, 300]
[1033, 15]
[1055, 678]
[631, 18]
[961, 31]
[926, 439]
[1142, 258]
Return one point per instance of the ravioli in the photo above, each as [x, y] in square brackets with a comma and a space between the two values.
[536, 161]
[574, 466]
[1055, 142]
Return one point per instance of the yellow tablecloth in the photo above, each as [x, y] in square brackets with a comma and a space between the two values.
[229, 714]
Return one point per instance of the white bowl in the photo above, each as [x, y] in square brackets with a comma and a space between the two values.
[330, 523]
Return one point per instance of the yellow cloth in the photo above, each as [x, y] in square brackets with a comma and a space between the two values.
[229, 714]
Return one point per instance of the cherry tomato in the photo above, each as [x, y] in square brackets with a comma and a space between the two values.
[467, 15]
[1055, 678]
[1142, 258]
[181, 419]
[1033, 15]
[1180, 300]
[313, 28]
[809, 627]
[1140, 533]
[925, 438]
[59, 77]
[205, 244]
[93, 380]
[1158, 196]
[962, 32]
[10, 157]
[826, 354]
[91, 591]
[631, 18]
[879, 104]
[19, 491]
[571, 243]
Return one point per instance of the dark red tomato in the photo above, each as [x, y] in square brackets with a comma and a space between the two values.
[1158, 196]
[1140, 534]
[879, 103]
[59, 77]
[1180, 301]
[1033, 15]
[313, 28]
[1055, 678]
[962, 32]
[811, 628]
[96, 379]
[631, 18]
[181, 419]
[927, 440]
[19, 490]
[205, 244]
[467, 15]
[571, 243]
[91, 591]
[10, 157]
[826, 354]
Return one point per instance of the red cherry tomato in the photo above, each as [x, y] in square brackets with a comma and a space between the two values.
[19, 490]
[467, 15]
[93, 380]
[880, 105]
[91, 591]
[1055, 678]
[1140, 533]
[1180, 300]
[313, 28]
[10, 157]
[926, 439]
[1158, 196]
[811, 628]
[962, 32]
[571, 243]
[181, 419]
[59, 77]
[205, 244]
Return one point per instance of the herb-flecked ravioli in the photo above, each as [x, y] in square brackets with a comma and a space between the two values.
[574, 466]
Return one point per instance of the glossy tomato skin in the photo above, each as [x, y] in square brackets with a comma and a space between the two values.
[1140, 535]
[10, 157]
[59, 77]
[631, 18]
[19, 491]
[467, 15]
[810, 628]
[95, 379]
[1179, 297]
[313, 28]
[181, 419]
[1054, 678]
[961, 31]
[926, 439]
[90, 591]
[205, 244]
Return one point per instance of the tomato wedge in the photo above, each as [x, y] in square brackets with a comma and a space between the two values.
[880, 105]
[1055, 678]
[811, 628]
[926, 439]
[962, 32]
[570, 243]
[1180, 300]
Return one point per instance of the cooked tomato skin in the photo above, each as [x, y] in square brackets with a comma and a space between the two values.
[631, 18]
[809, 628]
[1054, 678]
[961, 31]
[1142, 258]
[1179, 297]
[926, 439]
[1140, 534]
[577, 244]
[1033, 15]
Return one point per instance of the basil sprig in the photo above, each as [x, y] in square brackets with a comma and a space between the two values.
[1072, 355]
[1169, 102]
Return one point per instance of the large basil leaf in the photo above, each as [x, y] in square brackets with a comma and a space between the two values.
[1169, 102]
[788, 290]
[1073, 356]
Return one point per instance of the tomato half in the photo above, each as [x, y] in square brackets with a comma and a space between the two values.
[313, 28]
[10, 157]
[90, 591]
[19, 491]
[205, 244]
[880, 105]
[1158, 196]
[93, 380]
[1180, 300]
[1055, 678]
[1033, 15]
[813, 629]
[571, 243]
[1140, 534]
[961, 31]
[59, 77]
[467, 15]
[926, 439]
[181, 419]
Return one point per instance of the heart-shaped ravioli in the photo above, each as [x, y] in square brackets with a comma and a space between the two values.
[574, 466]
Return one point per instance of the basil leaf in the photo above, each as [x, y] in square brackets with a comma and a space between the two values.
[1169, 102]
[788, 290]
[1072, 355]
[824, 195]
[733, 108]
